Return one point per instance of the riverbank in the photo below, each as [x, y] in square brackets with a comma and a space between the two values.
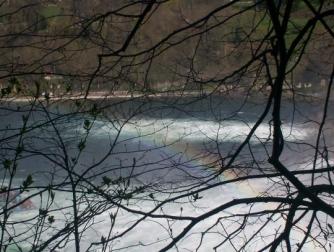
[102, 95]
[116, 94]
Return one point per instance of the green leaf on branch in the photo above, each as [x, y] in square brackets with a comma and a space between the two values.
[68, 87]
[3, 189]
[196, 197]
[81, 145]
[7, 164]
[94, 111]
[87, 124]
[14, 81]
[43, 212]
[51, 193]
[51, 219]
[24, 118]
[106, 180]
[19, 149]
[26, 183]
[128, 196]
[47, 96]
[5, 91]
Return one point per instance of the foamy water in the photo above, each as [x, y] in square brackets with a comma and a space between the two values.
[198, 130]
[154, 233]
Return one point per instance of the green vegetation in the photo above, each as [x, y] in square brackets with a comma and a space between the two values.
[50, 10]
[217, 53]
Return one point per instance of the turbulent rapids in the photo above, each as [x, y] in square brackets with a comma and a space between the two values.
[125, 168]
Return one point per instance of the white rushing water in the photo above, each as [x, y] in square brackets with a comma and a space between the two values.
[153, 234]
[198, 130]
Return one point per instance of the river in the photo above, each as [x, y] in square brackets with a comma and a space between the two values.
[167, 146]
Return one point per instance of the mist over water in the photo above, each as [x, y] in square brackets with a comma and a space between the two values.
[162, 144]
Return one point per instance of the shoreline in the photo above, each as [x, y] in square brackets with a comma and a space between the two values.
[119, 94]
[126, 95]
